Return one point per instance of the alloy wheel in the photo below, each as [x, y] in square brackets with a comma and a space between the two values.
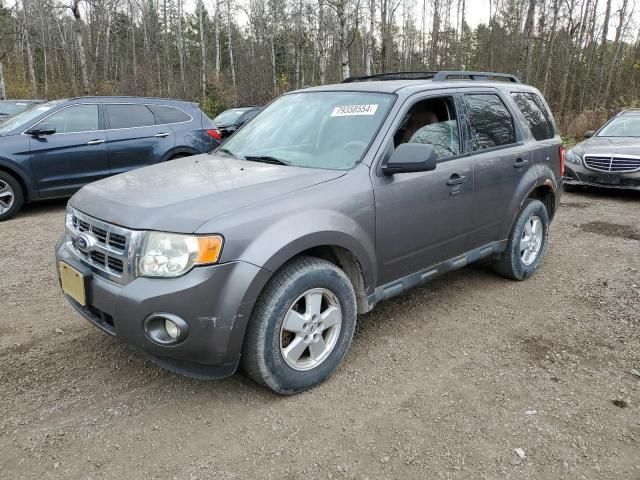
[310, 329]
[531, 240]
[7, 197]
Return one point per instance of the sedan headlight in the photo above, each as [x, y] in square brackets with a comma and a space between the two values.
[169, 255]
[573, 157]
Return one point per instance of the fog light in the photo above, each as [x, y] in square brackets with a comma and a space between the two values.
[165, 328]
[172, 329]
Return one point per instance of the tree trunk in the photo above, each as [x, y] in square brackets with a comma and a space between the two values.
[32, 72]
[528, 40]
[217, 22]
[203, 50]
[79, 28]
[229, 33]
[3, 90]
[183, 77]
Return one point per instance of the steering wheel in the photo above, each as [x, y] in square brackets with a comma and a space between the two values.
[355, 144]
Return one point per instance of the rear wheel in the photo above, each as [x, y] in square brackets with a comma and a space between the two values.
[527, 242]
[11, 196]
[301, 328]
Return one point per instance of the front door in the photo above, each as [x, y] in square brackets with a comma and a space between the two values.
[73, 156]
[422, 218]
[134, 139]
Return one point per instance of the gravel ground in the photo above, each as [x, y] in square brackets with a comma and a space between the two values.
[446, 381]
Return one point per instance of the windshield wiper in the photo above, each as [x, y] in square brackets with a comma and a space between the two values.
[228, 152]
[266, 159]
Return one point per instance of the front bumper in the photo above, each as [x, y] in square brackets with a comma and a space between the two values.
[215, 301]
[581, 175]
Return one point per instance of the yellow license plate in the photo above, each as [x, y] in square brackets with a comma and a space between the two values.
[73, 283]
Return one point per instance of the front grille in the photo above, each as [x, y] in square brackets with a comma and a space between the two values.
[110, 252]
[613, 163]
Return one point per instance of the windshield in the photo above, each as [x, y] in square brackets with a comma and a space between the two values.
[9, 108]
[26, 116]
[229, 117]
[625, 126]
[313, 129]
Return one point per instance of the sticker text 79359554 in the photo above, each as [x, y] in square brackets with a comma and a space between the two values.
[349, 110]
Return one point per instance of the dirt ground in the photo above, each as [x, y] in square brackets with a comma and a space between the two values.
[442, 382]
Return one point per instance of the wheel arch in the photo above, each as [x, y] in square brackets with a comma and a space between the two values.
[547, 195]
[21, 178]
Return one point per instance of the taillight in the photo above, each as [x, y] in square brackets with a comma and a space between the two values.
[215, 133]
[562, 152]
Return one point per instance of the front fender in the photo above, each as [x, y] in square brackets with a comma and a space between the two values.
[290, 236]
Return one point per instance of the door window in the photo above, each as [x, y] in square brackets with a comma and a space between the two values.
[78, 118]
[490, 121]
[129, 116]
[432, 121]
[536, 115]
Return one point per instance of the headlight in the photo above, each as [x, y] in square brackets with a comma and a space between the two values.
[573, 157]
[170, 255]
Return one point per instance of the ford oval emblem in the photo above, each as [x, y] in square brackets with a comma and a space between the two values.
[84, 242]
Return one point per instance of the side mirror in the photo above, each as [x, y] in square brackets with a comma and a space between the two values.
[41, 129]
[589, 134]
[411, 157]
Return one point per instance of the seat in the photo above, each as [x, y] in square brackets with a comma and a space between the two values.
[442, 135]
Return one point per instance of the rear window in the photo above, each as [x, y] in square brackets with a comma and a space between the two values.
[491, 123]
[536, 115]
[165, 114]
[129, 116]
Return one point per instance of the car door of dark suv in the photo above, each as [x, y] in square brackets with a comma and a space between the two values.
[502, 161]
[134, 139]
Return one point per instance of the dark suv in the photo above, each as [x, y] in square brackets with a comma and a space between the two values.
[55, 148]
[330, 200]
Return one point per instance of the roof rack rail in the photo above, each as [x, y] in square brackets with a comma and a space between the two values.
[392, 76]
[470, 75]
[435, 76]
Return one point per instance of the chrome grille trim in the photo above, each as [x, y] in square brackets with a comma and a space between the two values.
[613, 163]
[114, 253]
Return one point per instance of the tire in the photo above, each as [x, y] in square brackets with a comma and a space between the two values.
[11, 196]
[292, 295]
[516, 263]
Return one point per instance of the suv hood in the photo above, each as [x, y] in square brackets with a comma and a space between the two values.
[604, 145]
[180, 195]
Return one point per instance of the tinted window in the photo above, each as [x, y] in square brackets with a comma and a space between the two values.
[491, 123]
[128, 116]
[535, 114]
[79, 118]
[165, 114]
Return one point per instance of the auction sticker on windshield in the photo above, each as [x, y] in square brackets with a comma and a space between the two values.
[349, 110]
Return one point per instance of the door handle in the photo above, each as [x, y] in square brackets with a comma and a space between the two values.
[456, 179]
[162, 135]
[95, 142]
[521, 162]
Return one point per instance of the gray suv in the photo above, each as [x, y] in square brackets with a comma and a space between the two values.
[332, 199]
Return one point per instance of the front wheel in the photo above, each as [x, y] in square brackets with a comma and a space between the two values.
[301, 328]
[11, 196]
[527, 242]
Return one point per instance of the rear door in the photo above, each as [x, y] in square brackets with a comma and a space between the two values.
[133, 138]
[502, 160]
[72, 157]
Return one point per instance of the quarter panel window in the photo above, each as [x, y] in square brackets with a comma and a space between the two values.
[490, 121]
[78, 118]
[535, 114]
[129, 116]
[165, 114]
